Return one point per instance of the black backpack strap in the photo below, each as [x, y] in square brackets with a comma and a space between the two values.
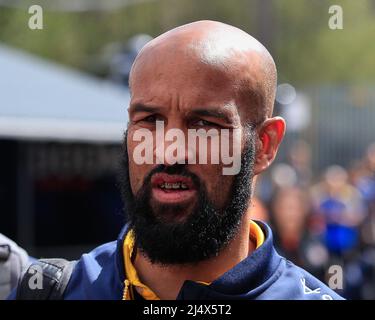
[45, 279]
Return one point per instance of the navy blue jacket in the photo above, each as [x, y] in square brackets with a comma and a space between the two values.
[263, 275]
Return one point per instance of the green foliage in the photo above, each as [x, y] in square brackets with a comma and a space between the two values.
[306, 50]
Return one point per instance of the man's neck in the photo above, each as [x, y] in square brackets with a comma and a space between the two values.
[166, 281]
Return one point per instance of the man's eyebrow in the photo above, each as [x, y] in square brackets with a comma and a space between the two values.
[214, 113]
[139, 107]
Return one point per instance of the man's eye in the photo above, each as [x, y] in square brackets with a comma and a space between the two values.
[150, 119]
[205, 123]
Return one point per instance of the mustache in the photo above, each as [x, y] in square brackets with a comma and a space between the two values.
[178, 169]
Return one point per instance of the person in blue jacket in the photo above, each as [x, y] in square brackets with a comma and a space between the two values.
[190, 234]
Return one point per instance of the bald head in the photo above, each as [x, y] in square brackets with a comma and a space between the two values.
[220, 51]
[202, 91]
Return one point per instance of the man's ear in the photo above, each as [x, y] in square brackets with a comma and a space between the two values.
[270, 135]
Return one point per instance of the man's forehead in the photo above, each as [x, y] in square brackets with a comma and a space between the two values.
[204, 76]
[206, 56]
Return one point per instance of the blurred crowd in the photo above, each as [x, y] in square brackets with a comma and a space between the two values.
[326, 220]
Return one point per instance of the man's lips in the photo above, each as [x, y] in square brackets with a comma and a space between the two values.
[174, 189]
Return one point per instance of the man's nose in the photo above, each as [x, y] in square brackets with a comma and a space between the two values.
[171, 144]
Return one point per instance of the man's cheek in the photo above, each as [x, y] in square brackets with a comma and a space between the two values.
[218, 185]
[135, 175]
[223, 192]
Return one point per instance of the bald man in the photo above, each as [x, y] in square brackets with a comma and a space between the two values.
[190, 234]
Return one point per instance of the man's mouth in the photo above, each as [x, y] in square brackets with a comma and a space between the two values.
[174, 189]
[173, 186]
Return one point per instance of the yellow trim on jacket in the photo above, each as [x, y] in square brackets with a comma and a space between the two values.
[134, 283]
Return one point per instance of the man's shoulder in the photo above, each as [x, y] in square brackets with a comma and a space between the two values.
[99, 254]
[294, 283]
[96, 275]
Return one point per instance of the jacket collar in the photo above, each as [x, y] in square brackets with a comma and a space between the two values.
[244, 280]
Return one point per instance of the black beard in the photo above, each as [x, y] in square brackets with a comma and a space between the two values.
[206, 230]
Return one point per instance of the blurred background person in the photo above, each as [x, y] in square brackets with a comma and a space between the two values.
[290, 210]
[338, 211]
